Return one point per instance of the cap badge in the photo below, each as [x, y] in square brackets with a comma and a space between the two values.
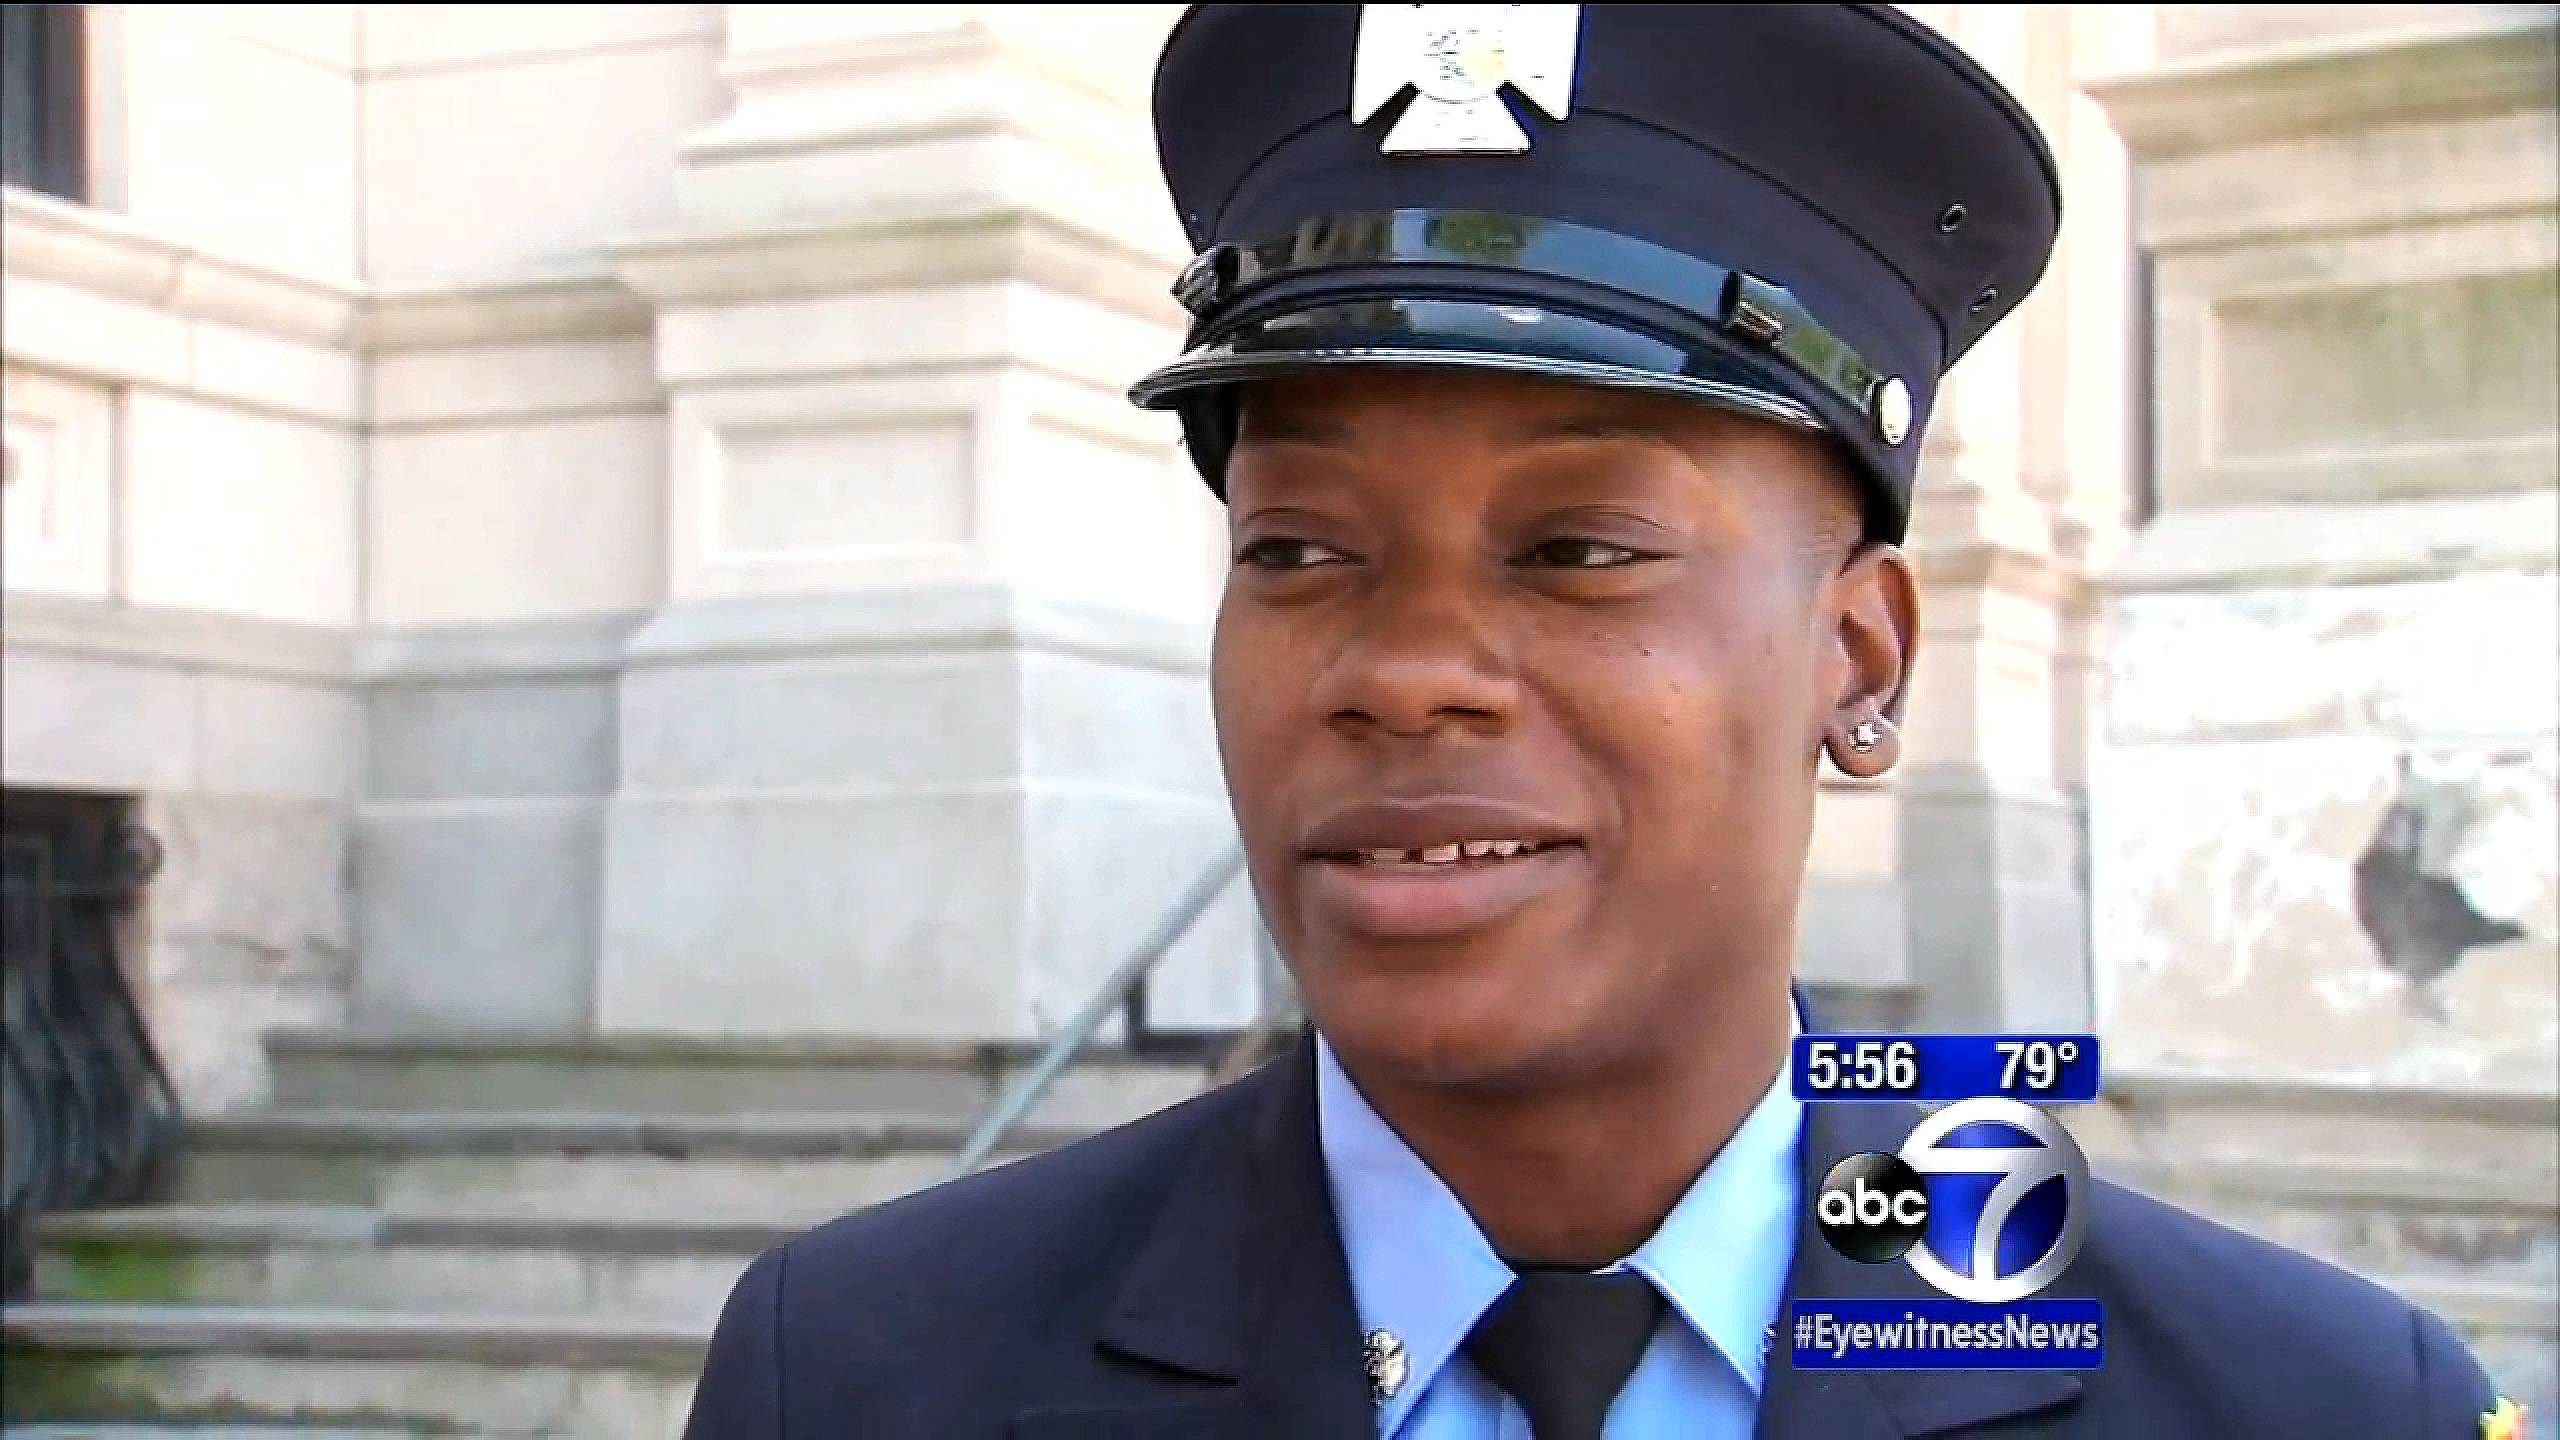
[1457, 58]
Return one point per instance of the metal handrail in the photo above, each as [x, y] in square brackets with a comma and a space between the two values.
[1270, 974]
[1027, 1089]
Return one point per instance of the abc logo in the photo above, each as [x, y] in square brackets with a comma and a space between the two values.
[1872, 1207]
[1988, 1200]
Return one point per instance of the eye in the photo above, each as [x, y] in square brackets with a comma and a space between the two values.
[1281, 552]
[1576, 553]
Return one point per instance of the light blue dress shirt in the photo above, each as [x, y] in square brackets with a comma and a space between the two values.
[1421, 1270]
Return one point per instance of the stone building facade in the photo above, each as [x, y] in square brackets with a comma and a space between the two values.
[2321, 801]
[573, 523]
[621, 521]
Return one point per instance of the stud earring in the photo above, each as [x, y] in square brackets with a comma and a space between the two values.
[1866, 735]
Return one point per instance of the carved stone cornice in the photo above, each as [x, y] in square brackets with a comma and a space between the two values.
[917, 250]
[2234, 98]
[1966, 537]
[106, 254]
[582, 304]
[98, 252]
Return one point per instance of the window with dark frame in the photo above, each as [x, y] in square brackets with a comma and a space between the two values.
[43, 102]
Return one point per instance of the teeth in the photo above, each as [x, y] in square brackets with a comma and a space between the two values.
[1448, 854]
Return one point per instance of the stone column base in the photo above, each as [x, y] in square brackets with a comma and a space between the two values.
[480, 840]
[1998, 921]
[925, 811]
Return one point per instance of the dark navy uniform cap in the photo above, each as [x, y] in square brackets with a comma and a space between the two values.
[1805, 213]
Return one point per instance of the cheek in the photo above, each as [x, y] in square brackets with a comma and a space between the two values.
[1694, 730]
[1253, 694]
[1257, 699]
[1231, 690]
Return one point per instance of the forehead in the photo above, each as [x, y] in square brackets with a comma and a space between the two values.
[1480, 431]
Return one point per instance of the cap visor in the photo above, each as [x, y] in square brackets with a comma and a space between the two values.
[1483, 336]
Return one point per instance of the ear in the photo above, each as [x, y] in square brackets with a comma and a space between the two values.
[1871, 607]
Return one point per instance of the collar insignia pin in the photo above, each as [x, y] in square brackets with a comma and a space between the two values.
[1382, 1355]
[1458, 58]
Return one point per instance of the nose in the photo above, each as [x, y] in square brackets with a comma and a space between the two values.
[1419, 657]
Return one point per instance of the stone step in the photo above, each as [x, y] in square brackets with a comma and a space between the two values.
[423, 1373]
[111, 1431]
[2165, 1119]
[2482, 1249]
[2515, 1330]
[771, 1169]
[2490, 1307]
[218, 1431]
[356, 1258]
[688, 1075]
[2389, 1221]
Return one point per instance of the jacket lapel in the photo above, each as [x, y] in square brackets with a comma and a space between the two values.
[1876, 1404]
[1241, 1293]
[1240, 1284]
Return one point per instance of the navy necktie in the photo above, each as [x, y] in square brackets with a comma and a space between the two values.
[1563, 1342]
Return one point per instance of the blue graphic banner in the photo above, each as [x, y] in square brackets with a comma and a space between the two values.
[1943, 1334]
[1942, 1069]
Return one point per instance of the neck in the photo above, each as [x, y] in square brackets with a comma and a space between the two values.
[1582, 1172]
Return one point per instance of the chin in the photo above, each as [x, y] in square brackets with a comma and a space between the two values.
[1461, 1029]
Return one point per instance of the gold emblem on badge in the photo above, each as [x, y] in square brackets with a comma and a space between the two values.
[1457, 59]
[2504, 1423]
[1382, 1355]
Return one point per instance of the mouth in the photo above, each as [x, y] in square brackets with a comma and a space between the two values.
[1433, 869]
[1450, 854]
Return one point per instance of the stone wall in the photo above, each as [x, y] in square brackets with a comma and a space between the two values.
[699, 522]
[2323, 808]
[547, 575]
[2326, 831]
[2324, 838]
[183, 492]
[239, 739]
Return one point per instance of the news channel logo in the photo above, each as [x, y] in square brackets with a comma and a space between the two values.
[1988, 1201]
